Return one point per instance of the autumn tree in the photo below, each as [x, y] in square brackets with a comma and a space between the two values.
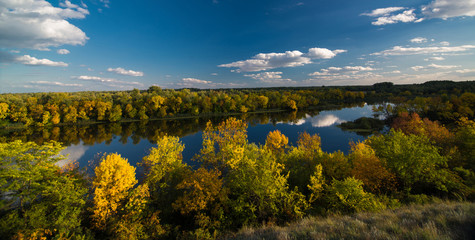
[3, 110]
[276, 141]
[114, 177]
[370, 170]
[202, 202]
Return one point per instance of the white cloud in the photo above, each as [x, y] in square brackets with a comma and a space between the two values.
[343, 75]
[325, 120]
[341, 70]
[323, 53]
[466, 71]
[195, 80]
[449, 8]
[214, 74]
[444, 43]
[434, 59]
[38, 25]
[270, 77]
[398, 50]
[32, 61]
[267, 61]
[406, 16]
[419, 40]
[74, 153]
[122, 71]
[63, 51]
[433, 66]
[383, 11]
[56, 84]
[111, 82]
[436, 9]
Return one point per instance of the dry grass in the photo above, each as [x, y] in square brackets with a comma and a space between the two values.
[449, 220]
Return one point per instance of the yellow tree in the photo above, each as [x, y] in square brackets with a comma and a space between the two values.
[223, 145]
[163, 160]
[3, 110]
[276, 141]
[114, 178]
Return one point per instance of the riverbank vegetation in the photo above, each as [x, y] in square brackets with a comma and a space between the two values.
[235, 183]
[447, 100]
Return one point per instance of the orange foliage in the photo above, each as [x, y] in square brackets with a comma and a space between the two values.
[201, 188]
[368, 168]
[413, 124]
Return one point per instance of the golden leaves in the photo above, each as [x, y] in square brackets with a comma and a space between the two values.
[114, 178]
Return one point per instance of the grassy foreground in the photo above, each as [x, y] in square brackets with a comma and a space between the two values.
[448, 220]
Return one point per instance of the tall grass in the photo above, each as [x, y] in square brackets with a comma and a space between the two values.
[448, 220]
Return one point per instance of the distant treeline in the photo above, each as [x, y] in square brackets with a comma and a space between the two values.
[46, 109]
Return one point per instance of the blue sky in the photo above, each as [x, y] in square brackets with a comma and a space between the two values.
[120, 45]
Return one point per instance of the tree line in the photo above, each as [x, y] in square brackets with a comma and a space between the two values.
[235, 184]
[50, 109]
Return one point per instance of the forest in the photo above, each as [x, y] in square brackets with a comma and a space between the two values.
[428, 154]
[52, 109]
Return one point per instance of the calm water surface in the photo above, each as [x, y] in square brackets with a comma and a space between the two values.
[134, 146]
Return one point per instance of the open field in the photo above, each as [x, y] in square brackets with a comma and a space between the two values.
[448, 220]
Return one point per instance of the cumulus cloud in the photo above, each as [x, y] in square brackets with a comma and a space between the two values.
[405, 16]
[341, 70]
[122, 71]
[419, 40]
[433, 66]
[382, 11]
[36, 24]
[398, 50]
[270, 77]
[434, 59]
[392, 15]
[267, 61]
[323, 53]
[449, 8]
[436, 9]
[195, 80]
[63, 51]
[47, 83]
[32, 61]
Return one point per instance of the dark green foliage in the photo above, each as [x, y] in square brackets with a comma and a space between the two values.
[363, 125]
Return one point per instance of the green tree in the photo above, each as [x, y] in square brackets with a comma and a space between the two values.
[348, 196]
[39, 198]
[416, 163]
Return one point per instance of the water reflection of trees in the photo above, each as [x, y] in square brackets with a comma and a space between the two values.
[137, 131]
